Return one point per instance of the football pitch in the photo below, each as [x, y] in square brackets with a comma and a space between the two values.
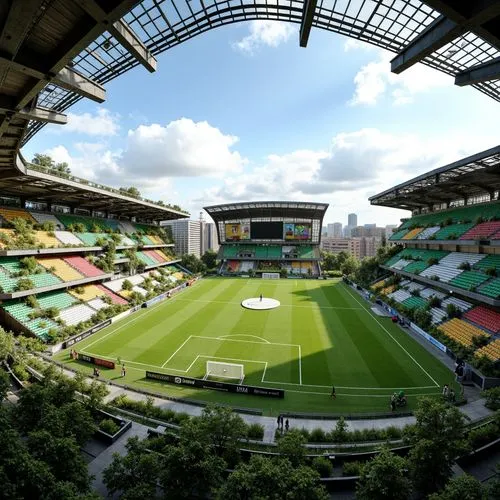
[322, 334]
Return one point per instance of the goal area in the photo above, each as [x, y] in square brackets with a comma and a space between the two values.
[219, 369]
[271, 276]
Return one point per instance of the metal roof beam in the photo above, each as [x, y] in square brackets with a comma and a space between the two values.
[130, 41]
[122, 32]
[307, 20]
[436, 35]
[481, 73]
[67, 78]
[43, 115]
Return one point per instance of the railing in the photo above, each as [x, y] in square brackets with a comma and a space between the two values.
[85, 182]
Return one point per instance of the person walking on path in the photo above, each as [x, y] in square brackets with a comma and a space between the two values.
[333, 394]
[287, 425]
[124, 371]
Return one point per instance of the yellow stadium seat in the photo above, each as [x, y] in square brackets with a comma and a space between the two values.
[61, 269]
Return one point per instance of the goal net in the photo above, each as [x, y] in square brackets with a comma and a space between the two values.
[225, 370]
[271, 276]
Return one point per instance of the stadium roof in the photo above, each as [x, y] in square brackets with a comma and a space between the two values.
[40, 184]
[267, 209]
[475, 175]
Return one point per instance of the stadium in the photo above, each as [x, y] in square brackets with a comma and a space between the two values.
[89, 271]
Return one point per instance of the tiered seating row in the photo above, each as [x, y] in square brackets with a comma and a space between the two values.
[491, 351]
[76, 314]
[491, 289]
[482, 231]
[444, 273]
[456, 259]
[461, 331]
[487, 318]
[469, 280]
[415, 303]
[83, 266]
[463, 305]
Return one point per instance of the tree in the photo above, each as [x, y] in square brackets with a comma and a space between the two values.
[384, 478]
[43, 160]
[437, 438]
[192, 263]
[133, 191]
[209, 258]
[134, 474]
[423, 318]
[62, 167]
[329, 262]
[291, 446]
[461, 487]
[349, 265]
[263, 478]
[4, 384]
[127, 285]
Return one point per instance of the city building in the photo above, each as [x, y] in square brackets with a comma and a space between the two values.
[187, 236]
[357, 247]
[337, 230]
[210, 240]
[352, 220]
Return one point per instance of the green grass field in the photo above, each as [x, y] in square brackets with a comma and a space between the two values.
[323, 334]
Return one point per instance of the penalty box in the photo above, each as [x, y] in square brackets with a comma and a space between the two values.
[263, 361]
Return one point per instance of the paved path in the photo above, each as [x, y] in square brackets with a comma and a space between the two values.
[475, 410]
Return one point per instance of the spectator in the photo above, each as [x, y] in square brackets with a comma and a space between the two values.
[446, 391]
[287, 425]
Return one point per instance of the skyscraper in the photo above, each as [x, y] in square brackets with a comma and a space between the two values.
[337, 229]
[352, 220]
[187, 236]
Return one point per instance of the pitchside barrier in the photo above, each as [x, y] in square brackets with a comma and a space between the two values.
[219, 386]
[270, 276]
[96, 361]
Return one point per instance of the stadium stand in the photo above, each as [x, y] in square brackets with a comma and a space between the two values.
[438, 315]
[87, 292]
[443, 273]
[485, 317]
[482, 231]
[9, 214]
[415, 303]
[83, 266]
[41, 218]
[97, 304]
[58, 299]
[491, 289]
[491, 351]
[461, 304]
[456, 259]
[453, 231]
[67, 238]
[489, 262]
[76, 314]
[400, 295]
[469, 280]
[114, 298]
[461, 331]
[45, 239]
[61, 269]
[427, 293]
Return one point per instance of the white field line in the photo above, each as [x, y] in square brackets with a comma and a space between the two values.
[360, 395]
[313, 306]
[225, 337]
[300, 365]
[388, 333]
[282, 383]
[135, 317]
[264, 373]
[182, 345]
[246, 341]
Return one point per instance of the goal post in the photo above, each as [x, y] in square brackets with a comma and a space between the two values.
[271, 276]
[225, 370]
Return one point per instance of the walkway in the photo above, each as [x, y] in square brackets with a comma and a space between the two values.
[475, 410]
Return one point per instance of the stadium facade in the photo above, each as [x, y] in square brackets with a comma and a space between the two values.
[448, 260]
[269, 236]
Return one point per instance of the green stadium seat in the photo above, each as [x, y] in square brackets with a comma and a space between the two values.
[469, 280]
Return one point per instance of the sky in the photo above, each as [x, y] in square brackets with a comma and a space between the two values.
[242, 113]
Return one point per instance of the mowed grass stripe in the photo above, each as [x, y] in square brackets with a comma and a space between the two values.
[324, 321]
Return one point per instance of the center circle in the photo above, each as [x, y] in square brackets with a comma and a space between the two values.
[259, 304]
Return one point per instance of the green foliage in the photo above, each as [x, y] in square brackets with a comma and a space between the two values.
[209, 258]
[24, 284]
[453, 311]
[262, 478]
[340, 433]
[30, 264]
[192, 263]
[131, 191]
[32, 301]
[127, 285]
[350, 469]
[4, 384]
[291, 446]
[349, 266]
[460, 488]
[384, 478]
[322, 466]
[255, 431]
[492, 397]
[437, 439]
[464, 266]
[422, 318]
[109, 426]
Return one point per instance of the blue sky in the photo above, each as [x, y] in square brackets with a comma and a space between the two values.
[243, 113]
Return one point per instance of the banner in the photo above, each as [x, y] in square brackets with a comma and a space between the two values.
[237, 232]
[96, 361]
[84, 335]
[431, 339]
[296, 232]
[219, 386]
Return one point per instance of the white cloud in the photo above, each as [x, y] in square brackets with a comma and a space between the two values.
[100, 123]
[375, 80]
[154, 155]
[357, 165]
[264, 33]
[183, 148]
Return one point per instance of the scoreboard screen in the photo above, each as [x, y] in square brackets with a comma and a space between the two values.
[266, 230]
